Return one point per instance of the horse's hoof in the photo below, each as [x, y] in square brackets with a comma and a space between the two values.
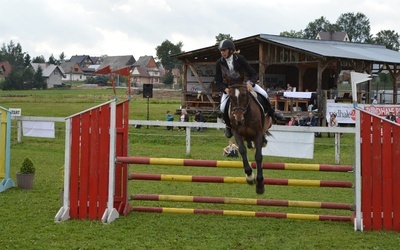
[250, 179]
[260, 190]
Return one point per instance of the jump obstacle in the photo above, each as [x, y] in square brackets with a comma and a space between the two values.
[96, 174]
[5, 156]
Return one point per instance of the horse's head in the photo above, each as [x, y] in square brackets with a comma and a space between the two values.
[238, 95]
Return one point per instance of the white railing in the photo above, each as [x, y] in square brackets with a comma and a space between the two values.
[189, 125]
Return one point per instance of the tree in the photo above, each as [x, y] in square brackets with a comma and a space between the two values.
[220, 37]
[52, 60]
[389, 38]
[292, 33]
[38, 59]
[13, 54]
[313, 28]
[27, 60]
[356, 26]
[168, 78]
[61, 57]
[165, 51]
[38, 79]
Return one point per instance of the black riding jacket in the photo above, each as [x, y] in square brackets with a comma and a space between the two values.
[240, 65]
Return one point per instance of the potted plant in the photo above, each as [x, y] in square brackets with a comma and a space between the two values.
[26, 174]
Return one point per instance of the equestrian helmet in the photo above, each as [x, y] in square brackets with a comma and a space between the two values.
[226, 44]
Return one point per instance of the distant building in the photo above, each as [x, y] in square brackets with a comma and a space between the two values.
[333, 36]
[53, 74]
[5, 69]
[73, 72]
[146, 71]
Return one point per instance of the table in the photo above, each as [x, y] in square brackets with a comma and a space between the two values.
[288, 103]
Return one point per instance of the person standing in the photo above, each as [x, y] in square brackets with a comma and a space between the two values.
[169, 118]
[199, 118]
[374, 101]
[183, 118]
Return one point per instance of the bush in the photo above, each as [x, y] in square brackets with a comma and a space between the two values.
[27, 167]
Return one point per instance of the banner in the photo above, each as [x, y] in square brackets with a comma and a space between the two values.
[345, 112]
[290, 144]
[38, 129]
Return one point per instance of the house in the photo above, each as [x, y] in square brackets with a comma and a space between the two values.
[53, 74]
[146, 71]
[117, 62]
[73, 72]
[177, 75]
[333, 36]
[5, 69]
[83, 61]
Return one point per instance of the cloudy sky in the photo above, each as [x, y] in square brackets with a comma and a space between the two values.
[137, 27]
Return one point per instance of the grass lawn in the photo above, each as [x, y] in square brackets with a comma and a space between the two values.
[27, 216]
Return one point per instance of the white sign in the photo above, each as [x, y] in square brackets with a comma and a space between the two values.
[345, 112]
[15, 111]
[290, 144]
[38, 129]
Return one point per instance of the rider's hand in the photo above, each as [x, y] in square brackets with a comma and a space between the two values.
[249, 86]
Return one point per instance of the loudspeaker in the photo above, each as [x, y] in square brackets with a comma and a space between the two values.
[147, 90]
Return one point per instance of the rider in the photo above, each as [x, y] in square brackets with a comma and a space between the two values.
[235, 63]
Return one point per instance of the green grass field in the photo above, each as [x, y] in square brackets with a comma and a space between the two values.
[27, 216]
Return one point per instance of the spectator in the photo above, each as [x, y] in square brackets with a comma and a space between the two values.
[199, 118]
[299, 120]
[312, 122]
[391, 117]
[292, 121]
[184, 118]
[332, 122]
[289, 88]
[374, 100]
[231, 150]
[335, 93]
[169, 118]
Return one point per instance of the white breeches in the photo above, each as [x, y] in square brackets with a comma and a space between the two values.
[256, 88]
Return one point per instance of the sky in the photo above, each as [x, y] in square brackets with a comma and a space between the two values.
[137, 27]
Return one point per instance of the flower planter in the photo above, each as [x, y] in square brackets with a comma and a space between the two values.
[25, 181]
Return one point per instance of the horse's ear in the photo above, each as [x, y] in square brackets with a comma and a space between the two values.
[224, 70]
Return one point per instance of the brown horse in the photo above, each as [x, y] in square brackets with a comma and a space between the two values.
[249, 124]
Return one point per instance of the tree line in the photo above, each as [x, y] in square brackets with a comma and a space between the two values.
[357, 27]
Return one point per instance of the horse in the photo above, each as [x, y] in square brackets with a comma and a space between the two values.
[248, 124]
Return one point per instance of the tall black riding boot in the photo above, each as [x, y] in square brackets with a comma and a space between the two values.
[228, 131]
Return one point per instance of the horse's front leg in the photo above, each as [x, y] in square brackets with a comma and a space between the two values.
[260, 177]
[247, 168]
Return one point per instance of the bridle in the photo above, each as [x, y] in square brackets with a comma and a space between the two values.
[236, 86]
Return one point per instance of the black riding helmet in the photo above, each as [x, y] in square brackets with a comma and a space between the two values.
[226, 44]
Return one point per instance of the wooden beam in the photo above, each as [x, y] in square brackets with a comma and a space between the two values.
[200, 81]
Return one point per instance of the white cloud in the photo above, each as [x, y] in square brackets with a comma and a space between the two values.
[137, 27]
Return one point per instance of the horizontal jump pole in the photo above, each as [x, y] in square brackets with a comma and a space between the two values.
[241, 213]
[239, 180]
[232, 164]
[243, 201]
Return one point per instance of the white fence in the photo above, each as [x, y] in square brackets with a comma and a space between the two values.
[301, 129]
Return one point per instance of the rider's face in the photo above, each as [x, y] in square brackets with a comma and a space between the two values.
[224, 53]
